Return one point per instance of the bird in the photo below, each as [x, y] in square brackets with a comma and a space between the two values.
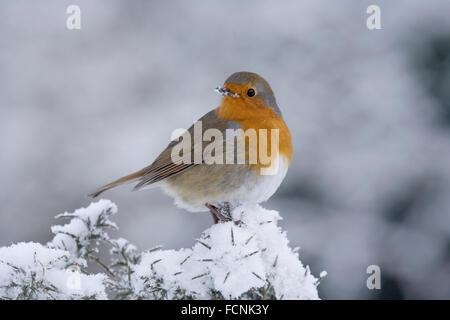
[247, 105]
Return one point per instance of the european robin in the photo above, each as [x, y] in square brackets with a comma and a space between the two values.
[248, 109]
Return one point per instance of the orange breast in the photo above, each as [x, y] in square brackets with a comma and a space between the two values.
[256, 115]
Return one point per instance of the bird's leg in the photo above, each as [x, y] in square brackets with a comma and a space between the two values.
[222, 213]
[218, 214]
[215, 214]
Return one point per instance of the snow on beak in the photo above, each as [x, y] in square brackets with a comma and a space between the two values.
[225, 92]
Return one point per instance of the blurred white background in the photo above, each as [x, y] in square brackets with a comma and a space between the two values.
[369, 112]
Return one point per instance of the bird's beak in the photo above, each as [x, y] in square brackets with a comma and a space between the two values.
[225, 92]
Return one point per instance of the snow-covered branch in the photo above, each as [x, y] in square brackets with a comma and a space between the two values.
[251, 260]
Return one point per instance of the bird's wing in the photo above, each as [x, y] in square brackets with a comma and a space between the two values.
[164, 166]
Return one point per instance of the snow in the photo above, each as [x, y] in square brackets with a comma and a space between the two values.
[233, 259]
[93, 212]
[30, 270]
[84, 224]
[123, 244]
[244, 260]
[31, 265]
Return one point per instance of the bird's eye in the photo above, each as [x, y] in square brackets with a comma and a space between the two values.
[251, 92]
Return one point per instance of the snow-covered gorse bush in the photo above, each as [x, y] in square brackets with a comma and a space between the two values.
[249, 260]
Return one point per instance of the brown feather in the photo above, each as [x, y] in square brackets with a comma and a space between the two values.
[163, 166]
[129, 178]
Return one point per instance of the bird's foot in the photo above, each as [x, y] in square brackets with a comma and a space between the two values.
[221, 214]
[214, 212]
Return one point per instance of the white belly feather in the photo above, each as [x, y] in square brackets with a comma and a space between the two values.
[252, 187]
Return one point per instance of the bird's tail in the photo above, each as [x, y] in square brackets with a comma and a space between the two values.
[127, 179]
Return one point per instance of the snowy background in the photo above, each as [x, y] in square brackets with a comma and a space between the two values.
[369, 112]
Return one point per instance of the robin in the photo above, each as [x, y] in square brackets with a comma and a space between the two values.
[248, 105]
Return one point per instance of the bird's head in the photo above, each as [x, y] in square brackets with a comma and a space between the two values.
[247, 93]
